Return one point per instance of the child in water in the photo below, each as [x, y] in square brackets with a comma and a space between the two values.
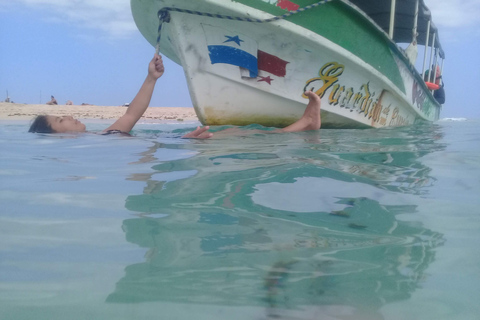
[55, 124]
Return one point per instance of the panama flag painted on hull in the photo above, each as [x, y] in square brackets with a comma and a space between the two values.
[284, 4]
[233, 48]
[270, 67]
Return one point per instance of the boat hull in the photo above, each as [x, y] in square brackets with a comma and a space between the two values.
[357, 89]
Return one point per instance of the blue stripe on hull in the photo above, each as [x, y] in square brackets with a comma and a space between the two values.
[234, 56]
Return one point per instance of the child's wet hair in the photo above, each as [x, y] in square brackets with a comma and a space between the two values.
[41, 125]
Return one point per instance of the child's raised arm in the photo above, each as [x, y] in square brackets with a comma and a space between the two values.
[141, 101]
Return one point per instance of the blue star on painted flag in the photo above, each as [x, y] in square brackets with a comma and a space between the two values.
[235, 39]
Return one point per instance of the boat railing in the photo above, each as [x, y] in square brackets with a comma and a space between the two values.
[433, 49]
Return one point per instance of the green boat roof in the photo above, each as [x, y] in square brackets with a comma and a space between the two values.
[379, 12]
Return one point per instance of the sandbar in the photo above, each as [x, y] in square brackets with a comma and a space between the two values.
[17, 111]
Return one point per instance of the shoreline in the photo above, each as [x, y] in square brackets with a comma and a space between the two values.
[18, 111]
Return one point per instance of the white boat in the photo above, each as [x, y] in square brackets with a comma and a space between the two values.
[241, 70]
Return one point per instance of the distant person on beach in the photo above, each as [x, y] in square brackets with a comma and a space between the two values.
[52, 102]
[54, 124]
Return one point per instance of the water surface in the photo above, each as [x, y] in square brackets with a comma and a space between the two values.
[334, 224]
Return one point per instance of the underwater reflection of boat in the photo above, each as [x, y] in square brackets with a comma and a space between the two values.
[258, 223]
[245, 259]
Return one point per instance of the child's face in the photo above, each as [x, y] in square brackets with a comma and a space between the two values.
[65, 124]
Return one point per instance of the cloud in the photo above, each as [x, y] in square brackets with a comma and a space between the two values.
[113, 18]
[457, 20]
[455, 13]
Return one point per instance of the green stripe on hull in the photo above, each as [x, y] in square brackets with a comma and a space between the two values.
[344, 26]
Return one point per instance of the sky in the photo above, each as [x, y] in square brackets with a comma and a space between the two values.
[90, 51]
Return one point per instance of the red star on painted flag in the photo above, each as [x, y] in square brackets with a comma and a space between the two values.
[266, 79]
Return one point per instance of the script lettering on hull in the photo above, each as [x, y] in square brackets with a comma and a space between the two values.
[362, 100]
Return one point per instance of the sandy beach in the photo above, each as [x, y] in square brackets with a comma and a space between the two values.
[17, 111]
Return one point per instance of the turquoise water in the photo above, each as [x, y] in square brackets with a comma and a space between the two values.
[335, 224]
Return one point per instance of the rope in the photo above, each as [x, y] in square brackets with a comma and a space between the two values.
[164, 16]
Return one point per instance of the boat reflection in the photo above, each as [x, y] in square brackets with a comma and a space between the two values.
[285, 225]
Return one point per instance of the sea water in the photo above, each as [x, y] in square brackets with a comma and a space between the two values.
[331, 224]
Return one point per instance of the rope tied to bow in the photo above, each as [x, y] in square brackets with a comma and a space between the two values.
[164, 17]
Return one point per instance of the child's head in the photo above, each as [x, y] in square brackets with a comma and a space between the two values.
[54, 124]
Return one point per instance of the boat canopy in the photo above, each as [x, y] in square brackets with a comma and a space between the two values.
[379, 11]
